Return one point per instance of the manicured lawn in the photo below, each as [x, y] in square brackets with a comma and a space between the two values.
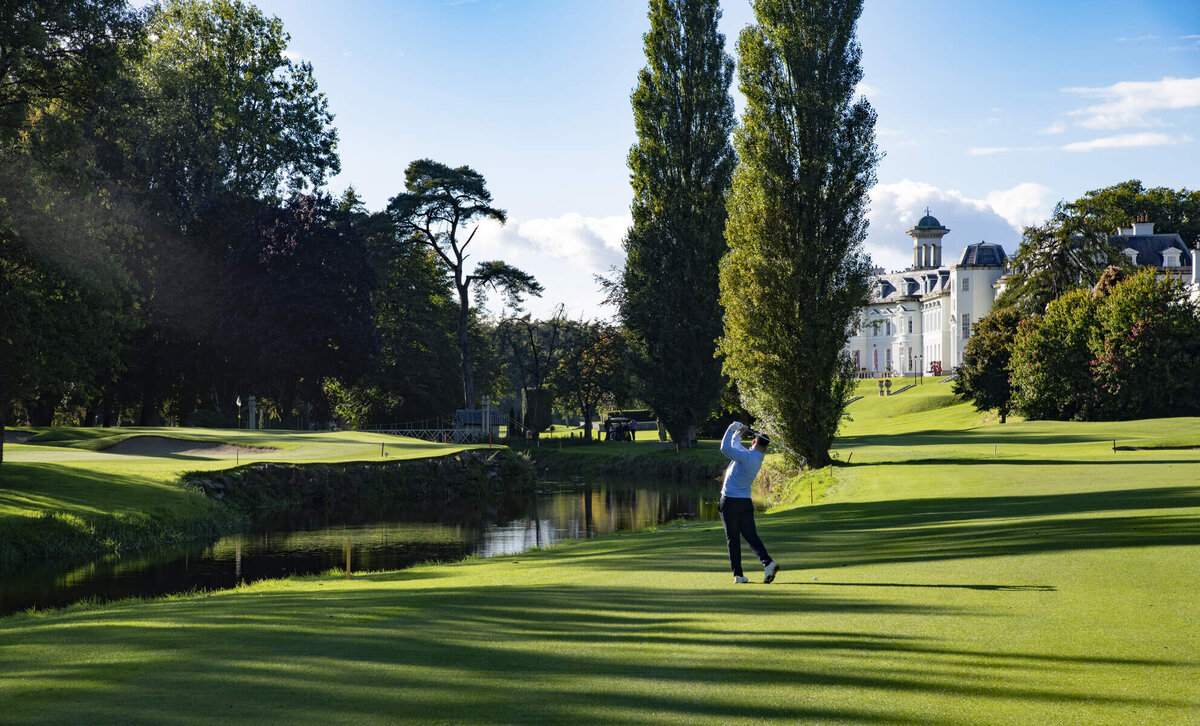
[68, 470]
[956, 572]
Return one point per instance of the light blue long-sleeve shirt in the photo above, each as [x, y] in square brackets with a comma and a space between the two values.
[743, 467]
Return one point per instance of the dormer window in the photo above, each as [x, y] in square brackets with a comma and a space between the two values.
[1171, 257]
[1131, 254]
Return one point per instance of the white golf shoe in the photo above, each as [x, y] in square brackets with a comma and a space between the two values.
[769, 572]
[738, 579]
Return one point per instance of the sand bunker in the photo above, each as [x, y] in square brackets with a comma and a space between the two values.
[16, 437]
[163, 446]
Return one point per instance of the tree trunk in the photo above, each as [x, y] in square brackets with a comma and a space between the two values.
[148, 416]
[3, 423]
[587, 424]
[464, 346]
[41, 413]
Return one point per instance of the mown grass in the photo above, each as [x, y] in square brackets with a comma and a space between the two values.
[67, 470]
[954, 572]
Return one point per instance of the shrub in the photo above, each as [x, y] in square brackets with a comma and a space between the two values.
[1050, 368]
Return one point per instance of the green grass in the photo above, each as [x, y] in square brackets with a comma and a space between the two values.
[67, 470]
[965, 573]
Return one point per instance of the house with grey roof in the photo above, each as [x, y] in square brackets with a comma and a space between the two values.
[1167, 252]
[919, 319]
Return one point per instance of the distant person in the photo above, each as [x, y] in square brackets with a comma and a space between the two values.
[608, 429]
[632, 430]
[736, 507]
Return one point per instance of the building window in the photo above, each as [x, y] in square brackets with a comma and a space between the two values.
[966, 325]
[966, 284]
[910, 326]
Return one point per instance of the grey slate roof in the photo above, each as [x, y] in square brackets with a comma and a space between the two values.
[982, 254]
[907, 285]
[1150, 247]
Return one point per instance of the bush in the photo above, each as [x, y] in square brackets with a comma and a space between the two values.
[1146, 349]
[1050, 369]
[1131, 350]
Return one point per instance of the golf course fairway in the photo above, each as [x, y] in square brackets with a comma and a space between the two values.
[955, 571]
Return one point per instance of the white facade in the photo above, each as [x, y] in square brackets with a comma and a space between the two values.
[919, 319]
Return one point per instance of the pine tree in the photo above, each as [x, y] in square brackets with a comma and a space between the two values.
[796, 274]
[680, 169]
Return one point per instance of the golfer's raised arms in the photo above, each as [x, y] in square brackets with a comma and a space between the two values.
[739, 476]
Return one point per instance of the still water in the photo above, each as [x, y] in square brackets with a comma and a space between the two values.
[312, 542]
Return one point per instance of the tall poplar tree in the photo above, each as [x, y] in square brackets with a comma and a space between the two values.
[680, 168]
[796, 274]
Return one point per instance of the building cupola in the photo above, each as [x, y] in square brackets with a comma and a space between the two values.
[927, 242]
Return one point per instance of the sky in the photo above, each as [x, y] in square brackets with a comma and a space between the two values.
[989, 113]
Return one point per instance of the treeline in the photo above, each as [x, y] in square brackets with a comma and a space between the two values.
[1078, 333]
[167, 245]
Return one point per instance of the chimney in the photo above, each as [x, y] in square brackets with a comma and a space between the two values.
[1143, 225]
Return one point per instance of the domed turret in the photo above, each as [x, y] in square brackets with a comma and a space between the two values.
[927, 242]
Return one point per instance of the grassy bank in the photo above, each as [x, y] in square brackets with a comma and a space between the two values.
[648, 458]
[953, 572]
[73, 492]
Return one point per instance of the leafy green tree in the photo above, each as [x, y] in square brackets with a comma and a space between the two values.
[1172, 210]
[64, 311]
[592, 369]
[222, 111]
[1069, 251]
[439, 204]
[299, 303]
[59, 50]
[796, 275]
[415, 377]
[680, 167]
[531, 351]
[1146, 349]
[983, 376]
[1051, 360]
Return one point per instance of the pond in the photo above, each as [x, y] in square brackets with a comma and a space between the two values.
[311, 542]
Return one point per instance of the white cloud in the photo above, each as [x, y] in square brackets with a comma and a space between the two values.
[895, 208]
[1126, 141]
[1131, 103]
[866, 89]
[1022, 206]
[986, 150]
[1057, 127]
[592, 244]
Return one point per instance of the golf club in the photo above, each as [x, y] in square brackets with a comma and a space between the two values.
[803, 460]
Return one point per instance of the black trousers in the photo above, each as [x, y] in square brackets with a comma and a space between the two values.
[737, 516]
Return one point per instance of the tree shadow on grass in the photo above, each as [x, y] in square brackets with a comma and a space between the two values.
[989, 588]
[515, 654]
[931, 529]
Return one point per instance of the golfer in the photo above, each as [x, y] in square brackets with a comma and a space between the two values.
[736, 508]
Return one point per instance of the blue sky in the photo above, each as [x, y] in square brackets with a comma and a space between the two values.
[989, 112]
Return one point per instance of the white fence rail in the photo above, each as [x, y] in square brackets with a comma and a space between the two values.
[441, 436]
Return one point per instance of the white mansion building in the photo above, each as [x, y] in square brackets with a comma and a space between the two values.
[919, 319]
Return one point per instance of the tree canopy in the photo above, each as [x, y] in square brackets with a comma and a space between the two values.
[680, 169]
[438, 206]
[796, 275]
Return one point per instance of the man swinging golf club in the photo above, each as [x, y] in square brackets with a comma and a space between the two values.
[736, 508]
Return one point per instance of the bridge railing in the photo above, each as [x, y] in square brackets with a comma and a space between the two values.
[441, 436]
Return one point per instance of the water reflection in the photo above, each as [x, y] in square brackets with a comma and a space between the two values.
[312, 542]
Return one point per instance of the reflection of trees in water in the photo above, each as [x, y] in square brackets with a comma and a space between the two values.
[316, 541]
